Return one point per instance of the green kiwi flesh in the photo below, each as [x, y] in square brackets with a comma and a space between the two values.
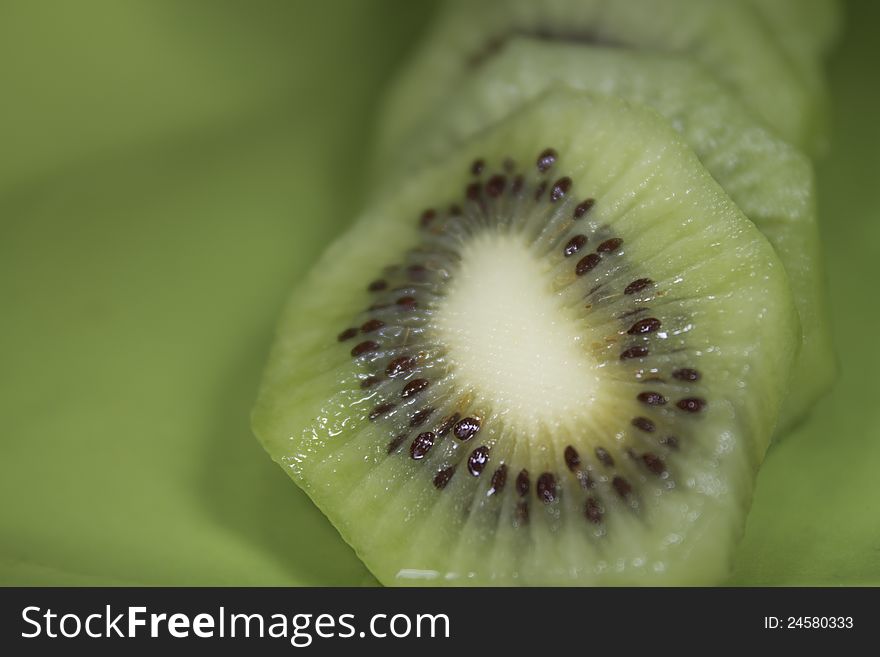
[771, 182]
[556, 357]
[805, 31]
[728, 38]
[806, 28]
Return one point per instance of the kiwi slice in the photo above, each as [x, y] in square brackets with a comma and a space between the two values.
[771, 182]
[728, 37]
[806, 28]
[556, 357]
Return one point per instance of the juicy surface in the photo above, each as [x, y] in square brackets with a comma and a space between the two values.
[769, 180]
[718, 277]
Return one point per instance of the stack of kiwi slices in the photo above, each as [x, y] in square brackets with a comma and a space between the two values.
[586, 296]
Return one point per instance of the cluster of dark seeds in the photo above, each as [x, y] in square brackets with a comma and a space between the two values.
[388, 341]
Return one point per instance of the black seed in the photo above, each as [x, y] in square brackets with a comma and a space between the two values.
[347, 334]
[540, 189]
[691, 404]
[472, 191]
[416, 273]
[372, 325]
[546, 159]
[407, 303]
[686, 374]
[420, 417]
[427, 217]
[508, 164]
[574, 245]
[560, 189]
[670, 441]
[610, 245]
[466, 428]
[647, 325]
[583, 207]
[400, 365]
[604, 457]
[420, 447]
[477, 167]
[364, 347]
[414, 387]
[447, 424]
[522, 482]
[495, 186]
[651, 398]
[522, 513]
[644, 424]
[546, 487]
[381, 409]
[397, 442]
[478, 460]
[455, 210]
[593, 511]
[637, 285]
[518, 183]
[572, 458]
[654, 463]
[633, 352]
[586, 263]
[377, 285]
[621, 485]
[499, 478]
[369, 382]
[442, 478]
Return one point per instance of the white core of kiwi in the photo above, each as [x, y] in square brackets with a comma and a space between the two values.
[509, 338]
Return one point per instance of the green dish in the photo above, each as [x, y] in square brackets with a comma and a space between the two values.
[149, 234]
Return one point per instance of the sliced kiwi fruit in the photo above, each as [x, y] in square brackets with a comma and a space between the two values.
[771, 182]
[727, 37]
[556, 357]
[806, 28]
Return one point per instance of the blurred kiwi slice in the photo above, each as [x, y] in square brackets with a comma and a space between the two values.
[771, 182]
[556, 357]
[727, 37]
[806, 28]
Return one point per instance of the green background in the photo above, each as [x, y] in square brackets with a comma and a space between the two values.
[167, 170]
